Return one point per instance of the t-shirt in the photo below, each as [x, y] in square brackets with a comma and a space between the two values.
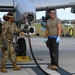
[52, 25]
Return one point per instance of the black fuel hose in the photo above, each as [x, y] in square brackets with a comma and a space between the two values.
[34, 56]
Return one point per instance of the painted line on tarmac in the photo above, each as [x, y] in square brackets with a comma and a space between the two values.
[37, 71]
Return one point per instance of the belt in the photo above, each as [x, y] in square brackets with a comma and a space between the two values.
[52, 36]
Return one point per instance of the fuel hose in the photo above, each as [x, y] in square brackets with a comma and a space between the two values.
[34, 56]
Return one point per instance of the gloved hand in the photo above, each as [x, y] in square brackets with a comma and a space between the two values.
[22, 34]
[58, 39]
[45, 40]
[5, 45]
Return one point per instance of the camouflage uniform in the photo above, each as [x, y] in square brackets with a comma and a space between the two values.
[0, 33]
[7, 33]
[0, 41]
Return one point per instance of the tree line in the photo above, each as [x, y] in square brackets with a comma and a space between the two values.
[63, 21]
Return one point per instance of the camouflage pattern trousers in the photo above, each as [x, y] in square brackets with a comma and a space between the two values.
[8, 53]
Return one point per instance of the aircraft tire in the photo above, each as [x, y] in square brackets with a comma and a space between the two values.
[22, 47]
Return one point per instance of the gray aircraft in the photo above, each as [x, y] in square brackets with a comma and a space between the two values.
[28, 8]
[21, 8]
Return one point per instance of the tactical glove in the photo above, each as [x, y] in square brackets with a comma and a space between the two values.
[58, 39]
[45, 40]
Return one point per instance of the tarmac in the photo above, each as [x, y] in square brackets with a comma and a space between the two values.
[41, 52]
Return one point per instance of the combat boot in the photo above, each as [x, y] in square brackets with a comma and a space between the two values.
[15, 67]
[49, 67]
[54, 67]
[3, 69]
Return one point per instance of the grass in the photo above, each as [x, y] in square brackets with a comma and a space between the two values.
[38, 29]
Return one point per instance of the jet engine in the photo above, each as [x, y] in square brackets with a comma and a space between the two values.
[73, 9]
[44, 19]
[25, 7]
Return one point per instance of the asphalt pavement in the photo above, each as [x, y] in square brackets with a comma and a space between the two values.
[41, 52]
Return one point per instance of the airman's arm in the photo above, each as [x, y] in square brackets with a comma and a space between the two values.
[59, 28]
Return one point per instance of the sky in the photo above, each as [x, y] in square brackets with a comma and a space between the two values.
[61, 13]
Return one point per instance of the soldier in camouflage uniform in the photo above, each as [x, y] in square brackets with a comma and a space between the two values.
[8, 29]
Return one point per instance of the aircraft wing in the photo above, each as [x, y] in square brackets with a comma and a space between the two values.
[48, 4]
[6, 5]
[29, 7]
